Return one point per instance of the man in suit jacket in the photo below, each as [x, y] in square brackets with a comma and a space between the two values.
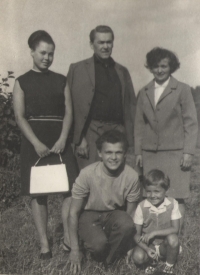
[103, 97]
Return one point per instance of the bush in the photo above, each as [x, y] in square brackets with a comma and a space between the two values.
[9, 147]
[10, 134]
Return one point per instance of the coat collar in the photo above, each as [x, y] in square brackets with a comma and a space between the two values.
[157, 210]
[166, 202]
[90, 68]
[172, 85]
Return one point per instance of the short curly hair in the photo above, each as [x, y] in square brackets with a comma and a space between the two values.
[112, 136]
[38, 36]
[101, 29]
[157, 54]
[156, 177]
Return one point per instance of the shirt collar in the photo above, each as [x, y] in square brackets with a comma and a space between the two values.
[164, 85]
[166, 202]
[105, 62]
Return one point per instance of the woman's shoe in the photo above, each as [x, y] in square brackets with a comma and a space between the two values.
[46, 256]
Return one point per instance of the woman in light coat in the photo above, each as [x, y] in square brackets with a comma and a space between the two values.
[166, 125]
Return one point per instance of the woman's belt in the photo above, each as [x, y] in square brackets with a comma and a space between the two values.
[45, 118]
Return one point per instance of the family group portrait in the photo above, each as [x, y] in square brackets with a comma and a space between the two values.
[99, 137]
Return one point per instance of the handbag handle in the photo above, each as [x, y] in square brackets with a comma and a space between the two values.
[41, 158]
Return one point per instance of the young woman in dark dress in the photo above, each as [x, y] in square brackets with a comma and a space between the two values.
[43, 111]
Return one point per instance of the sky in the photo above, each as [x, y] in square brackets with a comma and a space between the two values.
[139, 25]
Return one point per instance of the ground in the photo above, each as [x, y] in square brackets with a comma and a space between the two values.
[19, 246]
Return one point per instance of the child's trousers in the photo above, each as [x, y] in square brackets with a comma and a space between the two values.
[106, 235]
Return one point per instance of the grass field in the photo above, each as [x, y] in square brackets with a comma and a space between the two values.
[19, 246]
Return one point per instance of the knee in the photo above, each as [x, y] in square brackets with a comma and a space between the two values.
[172, 240]
[126, 225]
[100, 245]
[138, 256]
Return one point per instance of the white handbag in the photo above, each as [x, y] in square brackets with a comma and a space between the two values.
[49, 178]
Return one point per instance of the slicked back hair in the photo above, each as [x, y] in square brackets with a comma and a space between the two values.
[101, 29]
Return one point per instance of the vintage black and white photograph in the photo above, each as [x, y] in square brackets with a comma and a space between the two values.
[99, 137]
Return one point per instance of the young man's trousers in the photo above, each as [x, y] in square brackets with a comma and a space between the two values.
[107, 235]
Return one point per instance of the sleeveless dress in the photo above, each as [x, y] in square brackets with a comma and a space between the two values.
[44, 111]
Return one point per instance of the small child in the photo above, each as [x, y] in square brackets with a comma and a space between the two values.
[157, 220]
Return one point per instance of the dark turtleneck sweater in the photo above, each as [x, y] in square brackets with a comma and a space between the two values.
[107, 101]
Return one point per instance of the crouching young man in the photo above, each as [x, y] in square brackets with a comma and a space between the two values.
[99, 194]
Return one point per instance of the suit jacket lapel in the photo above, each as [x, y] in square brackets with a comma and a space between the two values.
[91, 70]
[150, 93]
[121, 77]
[170, 87]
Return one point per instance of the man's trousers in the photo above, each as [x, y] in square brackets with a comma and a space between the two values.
[106, 235]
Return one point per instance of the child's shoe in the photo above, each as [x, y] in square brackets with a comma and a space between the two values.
[167, 270]
[150, 270]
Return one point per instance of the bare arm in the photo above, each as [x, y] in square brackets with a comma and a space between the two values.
[19, 109]
[67, 121]
[138, 240]
[162, 233]
[75, 256]
[131, 207]
[139, 130]
[83, 149]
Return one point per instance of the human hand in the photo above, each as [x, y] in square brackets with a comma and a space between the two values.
[139, 160]
[147, 237]
[58, 147]
[83, 149]
[129, 256]
[186, 161]
[75, 258]
[41, 149]
[152, 253]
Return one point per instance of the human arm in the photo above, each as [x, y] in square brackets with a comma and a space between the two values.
[139, 160]
[133, 195]
[75, 256]
[19, 109]
[67, 121]
[83, 149]
[138, 240]
[130, 208]
[190, 126]
[186, 161]
[139, 130]
[163, 232]
[129, 109]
